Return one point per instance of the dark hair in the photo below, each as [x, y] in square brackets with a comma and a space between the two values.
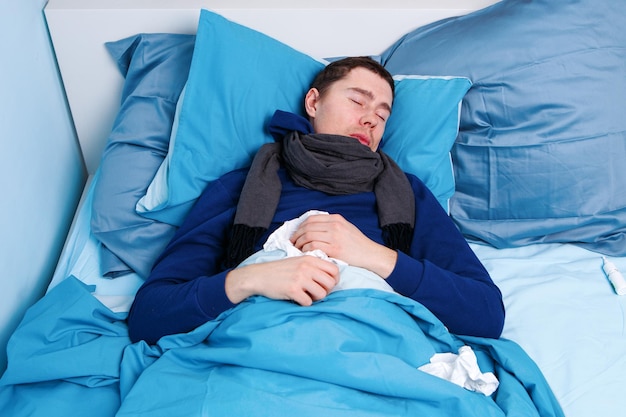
[337, 70]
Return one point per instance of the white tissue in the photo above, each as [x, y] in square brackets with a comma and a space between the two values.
[463, 370]
[350, 276]
[280, 239]
[616, 277]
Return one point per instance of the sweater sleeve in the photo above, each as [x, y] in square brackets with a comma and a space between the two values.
[186, 286]
[443, 273]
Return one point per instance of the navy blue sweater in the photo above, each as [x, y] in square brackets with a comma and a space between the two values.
[186, 287]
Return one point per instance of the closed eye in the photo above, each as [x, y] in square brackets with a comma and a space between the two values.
[359, 97]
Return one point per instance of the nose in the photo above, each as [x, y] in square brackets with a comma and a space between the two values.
[369, 119]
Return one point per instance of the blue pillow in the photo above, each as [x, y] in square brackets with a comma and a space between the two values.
[239, 77]
[155, 67]
[542, 144]
[422, 128]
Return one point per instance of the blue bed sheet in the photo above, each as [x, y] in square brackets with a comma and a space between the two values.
[355, 353]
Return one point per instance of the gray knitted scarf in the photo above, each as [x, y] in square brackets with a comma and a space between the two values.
[336, 165]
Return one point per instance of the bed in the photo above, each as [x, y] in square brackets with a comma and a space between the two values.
[518, 107]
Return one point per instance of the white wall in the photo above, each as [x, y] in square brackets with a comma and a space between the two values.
[41, 171]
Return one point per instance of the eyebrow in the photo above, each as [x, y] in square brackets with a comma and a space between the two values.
[370, 95]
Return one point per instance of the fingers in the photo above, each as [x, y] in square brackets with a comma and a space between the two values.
[306, 297]
[335, 236]
[340, 239]
[303, 279]
[318, 232]
[313, 280]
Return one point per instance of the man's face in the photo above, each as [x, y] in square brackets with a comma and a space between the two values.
[357, 106]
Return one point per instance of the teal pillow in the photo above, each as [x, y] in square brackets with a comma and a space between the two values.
[423, 127]
[239, 77]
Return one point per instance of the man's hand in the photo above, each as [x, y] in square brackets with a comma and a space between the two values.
[340, 239]
[303, 279]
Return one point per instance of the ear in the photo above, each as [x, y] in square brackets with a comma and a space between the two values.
[310, 101]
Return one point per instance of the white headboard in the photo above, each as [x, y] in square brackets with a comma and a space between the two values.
[320, 28]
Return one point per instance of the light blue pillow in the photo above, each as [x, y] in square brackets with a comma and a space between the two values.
[239, 77]
[541, 150]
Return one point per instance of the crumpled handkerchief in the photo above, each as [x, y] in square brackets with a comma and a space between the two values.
[280, 239]
[350, 276]
[463, 370]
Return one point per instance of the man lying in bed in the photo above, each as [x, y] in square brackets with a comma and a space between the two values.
[381, 219]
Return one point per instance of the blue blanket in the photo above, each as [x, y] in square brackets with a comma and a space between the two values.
[355, 353]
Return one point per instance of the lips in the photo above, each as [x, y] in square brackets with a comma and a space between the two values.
[361, 138]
